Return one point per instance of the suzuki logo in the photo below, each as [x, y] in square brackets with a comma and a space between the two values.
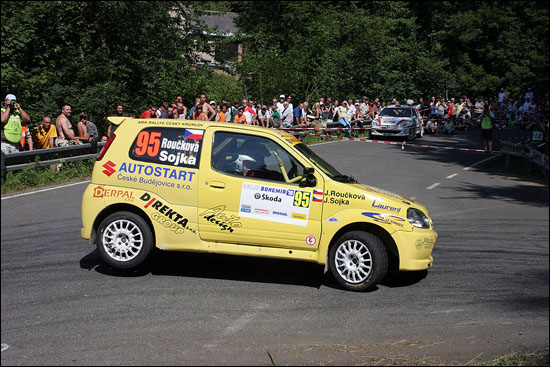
[109, 170]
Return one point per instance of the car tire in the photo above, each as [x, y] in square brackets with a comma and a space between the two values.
[124, 240]
[412, 134]
[358, 261]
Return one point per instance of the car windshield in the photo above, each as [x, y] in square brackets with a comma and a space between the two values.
[324, 165]
[396, 112]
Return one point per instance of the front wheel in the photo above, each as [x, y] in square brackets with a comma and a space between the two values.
[124, 240]
[412, 133]
[358, 261]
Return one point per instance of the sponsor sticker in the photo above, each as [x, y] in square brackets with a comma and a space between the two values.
[311, 240]
[168, 146]
[333, 220]
[385, 218]
[101, 192]
[275, 204]
[165, 215]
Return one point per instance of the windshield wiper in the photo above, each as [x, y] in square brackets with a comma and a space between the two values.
[345, 179]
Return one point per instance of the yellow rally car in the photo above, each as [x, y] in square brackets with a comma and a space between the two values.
[244, 190]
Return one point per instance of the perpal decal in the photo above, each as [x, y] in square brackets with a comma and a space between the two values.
[275, 204]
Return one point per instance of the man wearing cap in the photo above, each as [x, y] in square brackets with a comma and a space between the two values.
[12, 115]
[280, 103]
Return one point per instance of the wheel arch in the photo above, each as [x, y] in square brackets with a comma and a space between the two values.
[119, 207]
[385, 237]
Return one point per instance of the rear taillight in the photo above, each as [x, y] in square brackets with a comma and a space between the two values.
[107, 145]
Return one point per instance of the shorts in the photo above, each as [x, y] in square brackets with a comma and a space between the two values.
[486, 134]
[9, 147]
[61, 142]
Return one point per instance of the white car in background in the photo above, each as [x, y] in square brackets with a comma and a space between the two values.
[403, 121]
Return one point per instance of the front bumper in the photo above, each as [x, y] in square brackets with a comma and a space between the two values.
[415, 248]
[389, 132]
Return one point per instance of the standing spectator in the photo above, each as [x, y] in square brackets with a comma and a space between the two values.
[26, 138]
[150, 113]
[441, 107]
[12, 116]
[44, 134]
[529, 94]
[65, 132]
[342, 116]
[275, 119]
[286, 115]
[487, 130]
[171, 111]
[501, 97]
[162, 111]
[289, 100]
[220, 115]
[250, 114]
[280, 104]
[181, 111]
[297, 117]
[233, 111]
[263, 116]
[240, 118]
[87, 130]
[119, 111]
[364, 106]
[192, 111]
[201, 116]
[207, 109]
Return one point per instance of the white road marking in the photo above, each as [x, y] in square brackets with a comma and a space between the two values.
[4, 347]
[432, 186]
[43, 190]
[483, 161]
[453, 175]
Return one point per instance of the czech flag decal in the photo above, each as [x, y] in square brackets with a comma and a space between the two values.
[317, 196]
[193, 134]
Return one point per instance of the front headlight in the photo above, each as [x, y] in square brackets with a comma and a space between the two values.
[417, 218]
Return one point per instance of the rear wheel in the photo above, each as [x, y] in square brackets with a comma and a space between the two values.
[358, 260]
[125, 240]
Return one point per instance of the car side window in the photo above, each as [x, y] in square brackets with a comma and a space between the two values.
[253, 156]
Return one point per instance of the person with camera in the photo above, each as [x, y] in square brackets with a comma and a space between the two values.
[12, 116]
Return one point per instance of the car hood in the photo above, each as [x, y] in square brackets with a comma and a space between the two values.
[373, 197]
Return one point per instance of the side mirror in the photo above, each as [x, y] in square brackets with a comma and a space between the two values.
[309, 179]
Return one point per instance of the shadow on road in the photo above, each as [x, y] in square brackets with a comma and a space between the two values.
[239, 268]
[521, 193]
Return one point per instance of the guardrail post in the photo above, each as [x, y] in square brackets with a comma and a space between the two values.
[3, 165]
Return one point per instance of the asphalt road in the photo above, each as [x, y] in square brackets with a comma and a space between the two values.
[486, 295]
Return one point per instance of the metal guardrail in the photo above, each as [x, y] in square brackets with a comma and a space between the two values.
[525, 151]
[19, 160]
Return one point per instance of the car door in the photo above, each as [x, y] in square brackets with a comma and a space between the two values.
[246, 198]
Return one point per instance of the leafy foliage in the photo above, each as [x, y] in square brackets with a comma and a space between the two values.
[94, 54]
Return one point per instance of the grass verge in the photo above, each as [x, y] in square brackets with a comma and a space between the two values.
[34, 176]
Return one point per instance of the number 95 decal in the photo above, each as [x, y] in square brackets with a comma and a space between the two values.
[302, 199]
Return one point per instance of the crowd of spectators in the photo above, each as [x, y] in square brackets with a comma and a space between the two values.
[505, 111]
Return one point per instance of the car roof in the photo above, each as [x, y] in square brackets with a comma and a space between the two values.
[197, 124]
